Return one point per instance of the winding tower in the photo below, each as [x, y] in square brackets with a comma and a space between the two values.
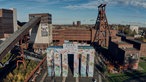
[102, 29]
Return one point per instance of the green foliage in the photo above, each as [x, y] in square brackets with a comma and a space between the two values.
[129, 32]
[6, 58]
[104, 69]
[20, 74]
[132, 33]
[120, 28]
[140, 39]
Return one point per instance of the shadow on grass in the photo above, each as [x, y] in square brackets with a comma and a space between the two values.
[128, 76]
[136, 76]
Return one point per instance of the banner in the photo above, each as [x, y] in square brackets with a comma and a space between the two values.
[57, 62]
[91, 63]
[64, 64]
[44, 29]
[83, 63]
[50, 62]
[76, 65]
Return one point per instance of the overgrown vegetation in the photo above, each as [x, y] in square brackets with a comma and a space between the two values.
[6, 58]
[130, 32]
[20, 74]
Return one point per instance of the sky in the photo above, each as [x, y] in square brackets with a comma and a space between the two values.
[131, 12]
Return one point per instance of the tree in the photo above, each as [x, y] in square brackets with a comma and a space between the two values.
[133, 33]
[126, 31]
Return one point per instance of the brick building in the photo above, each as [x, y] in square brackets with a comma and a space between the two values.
[141, 46]
[124, 53]
[72, 35]
[8, 22]
[45, 34]
[80, 34]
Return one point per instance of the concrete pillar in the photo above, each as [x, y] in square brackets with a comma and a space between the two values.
[63, 79]
[77, 79]
[99, 78]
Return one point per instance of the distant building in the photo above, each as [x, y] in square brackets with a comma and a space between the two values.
[78, 23]
[15, 19]
[8, 22]
[41, 35]
[73, 24]
[134, 28]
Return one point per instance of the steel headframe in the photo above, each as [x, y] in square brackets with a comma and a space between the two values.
[102, 29]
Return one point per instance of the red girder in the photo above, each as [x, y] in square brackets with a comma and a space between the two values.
[102, 29]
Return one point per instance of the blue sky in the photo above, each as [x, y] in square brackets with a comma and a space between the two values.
[66, 11]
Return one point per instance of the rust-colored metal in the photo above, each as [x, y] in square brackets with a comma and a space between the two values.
[21, 57]
[10, 42]
[102, 29]
[33, 72]
[25, 41]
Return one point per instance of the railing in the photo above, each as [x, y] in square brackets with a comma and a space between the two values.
[36, 70]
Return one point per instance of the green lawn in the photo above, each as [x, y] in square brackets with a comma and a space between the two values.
[143, 65]
[117, 77]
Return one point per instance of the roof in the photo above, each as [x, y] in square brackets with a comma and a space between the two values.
[121, 42]
[79, 47]
[39, 14]
[136, 41]
[130, 49]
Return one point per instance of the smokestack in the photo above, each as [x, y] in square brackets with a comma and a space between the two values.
[78, 23]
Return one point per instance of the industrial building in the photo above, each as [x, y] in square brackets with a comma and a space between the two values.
[80, 34]
[124, 54]
[8, 22]
[139, 45]
[41, 35]
[72, 34]
[134, 28]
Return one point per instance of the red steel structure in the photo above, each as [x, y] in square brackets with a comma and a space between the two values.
[20, 36]
[102, 29]
[21, 58]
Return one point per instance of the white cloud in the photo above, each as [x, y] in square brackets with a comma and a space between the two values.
[38, 0]
[50, 1]
[90, 5]
[138, 3]
[94, 3]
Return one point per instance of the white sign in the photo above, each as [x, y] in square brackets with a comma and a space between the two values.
[70, 46]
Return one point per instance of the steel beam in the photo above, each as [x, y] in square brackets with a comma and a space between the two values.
[9, 43]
